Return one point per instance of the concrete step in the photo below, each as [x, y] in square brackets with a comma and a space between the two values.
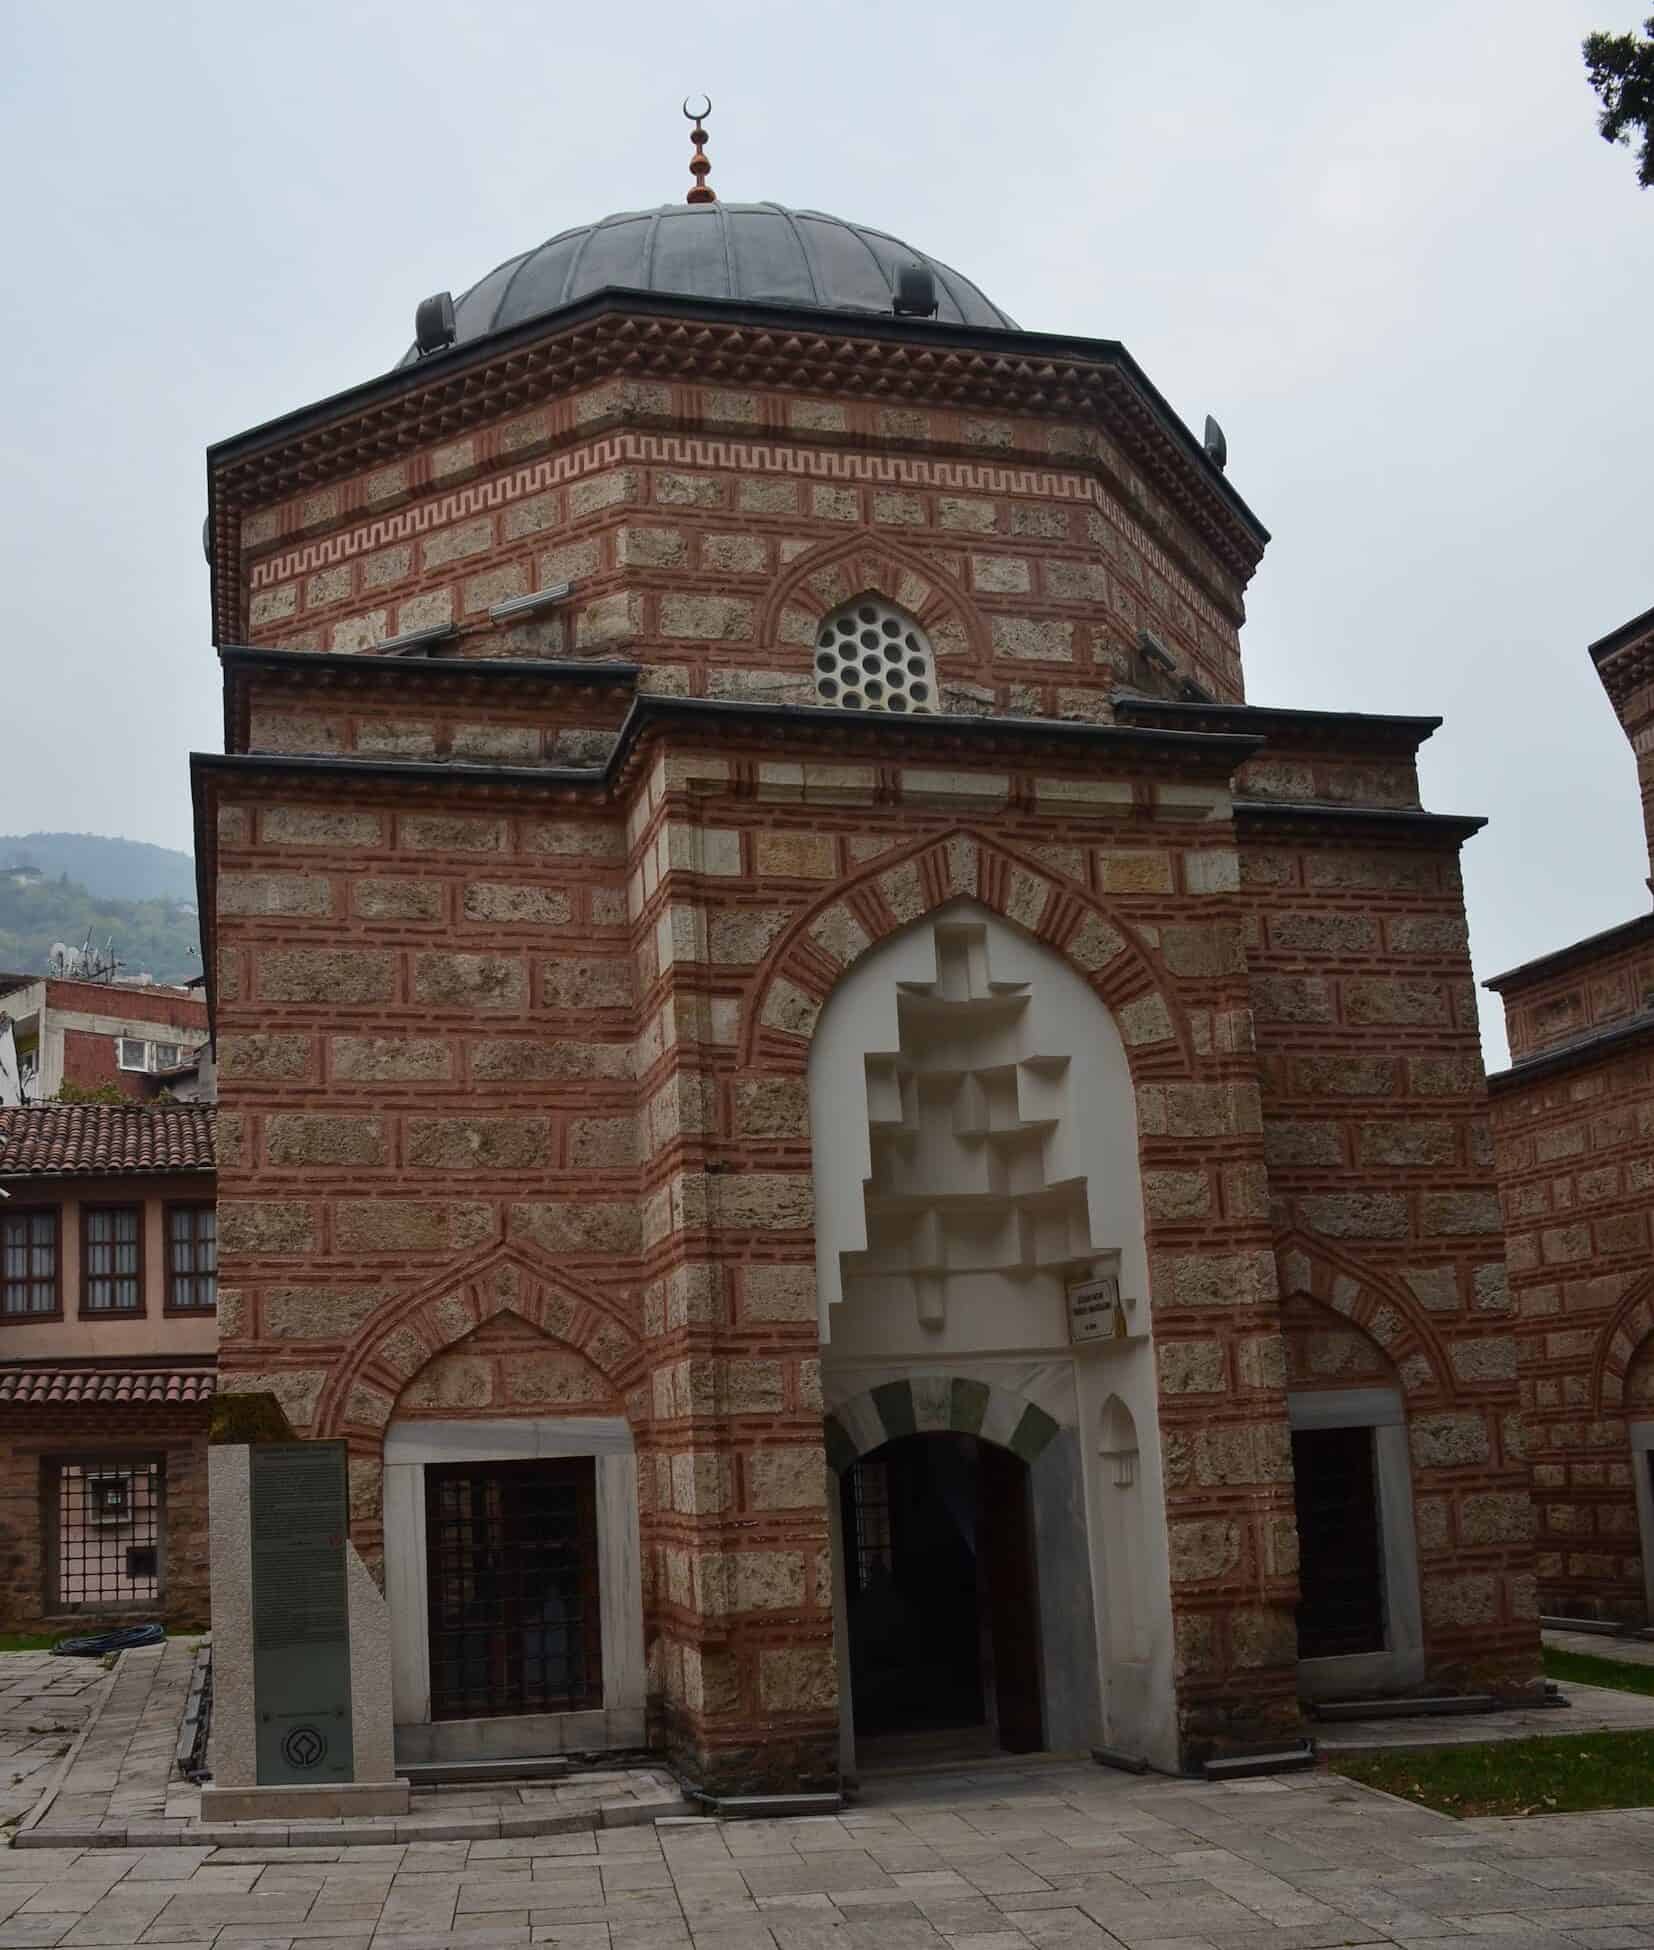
[521, 1767]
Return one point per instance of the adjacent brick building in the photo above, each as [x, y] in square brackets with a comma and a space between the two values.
[94, 1035]
[741, 876]
[108, 1330]
[1574, 1120]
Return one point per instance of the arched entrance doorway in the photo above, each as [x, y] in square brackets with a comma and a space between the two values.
[941, 1607]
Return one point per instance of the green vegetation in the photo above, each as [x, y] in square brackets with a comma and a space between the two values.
[155, 937]
[130, 870]
[1583, 1669]
[1620, 69]
[1543, 1776]
[28, 1641]
[248, 1418]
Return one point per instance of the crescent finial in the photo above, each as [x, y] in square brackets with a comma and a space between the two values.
[699, 167]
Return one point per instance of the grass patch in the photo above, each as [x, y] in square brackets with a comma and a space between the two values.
[28, 1641]
[1543, 1776]
[1585, 1669]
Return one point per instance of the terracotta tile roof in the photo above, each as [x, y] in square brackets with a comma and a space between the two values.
[57, 1140]
[39, 1386]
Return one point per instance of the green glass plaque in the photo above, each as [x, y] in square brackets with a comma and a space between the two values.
[301, 1622]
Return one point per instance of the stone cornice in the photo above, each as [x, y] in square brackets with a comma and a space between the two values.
[1315, 731]
[653, 336]
[868, 735]
[758, 730]
[307, 672]
[1625, 657]
[1381, 822]
[1580, 954]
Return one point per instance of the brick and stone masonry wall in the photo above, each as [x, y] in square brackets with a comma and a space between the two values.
[1031, 577]
[1575, 1147]
[464, 1043]
[1594, 990]
[527, 1069]
[501, 1026]
[36, 1437]
[427, 718]
[1386, 1214]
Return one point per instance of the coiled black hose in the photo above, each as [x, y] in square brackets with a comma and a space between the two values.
[123, 1639]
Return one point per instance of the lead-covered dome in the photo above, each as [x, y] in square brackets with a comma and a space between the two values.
[762, 253]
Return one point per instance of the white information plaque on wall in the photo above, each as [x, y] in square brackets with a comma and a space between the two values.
[1094, 1312]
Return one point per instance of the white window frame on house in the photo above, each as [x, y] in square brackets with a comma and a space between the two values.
[1642, 1484]
[1401, 1663]
[151, 1056]
[409, 1448]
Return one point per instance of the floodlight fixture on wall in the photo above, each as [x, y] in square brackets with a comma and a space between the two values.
[537, 599]
[417, 643]
[1154, 651]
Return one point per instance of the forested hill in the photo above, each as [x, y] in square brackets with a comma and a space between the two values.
[128, 870]
[154, 937]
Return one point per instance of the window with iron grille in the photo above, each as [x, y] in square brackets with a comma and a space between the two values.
[104, 1531]
[28, 1263]
[513, 1583]
[111, 1260]
[871, 1539]
[192, 1259]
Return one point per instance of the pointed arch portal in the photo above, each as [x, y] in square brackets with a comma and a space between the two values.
[1003, 1574]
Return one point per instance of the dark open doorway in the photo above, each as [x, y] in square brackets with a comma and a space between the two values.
[941, 1605]
[1340, 1550]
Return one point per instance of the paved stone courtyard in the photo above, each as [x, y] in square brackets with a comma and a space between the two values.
[1048, 1854]
[1044, 1852]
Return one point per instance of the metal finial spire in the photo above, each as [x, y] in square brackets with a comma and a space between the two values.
[699, 167]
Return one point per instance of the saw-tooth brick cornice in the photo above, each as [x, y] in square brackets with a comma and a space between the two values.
[653, 337]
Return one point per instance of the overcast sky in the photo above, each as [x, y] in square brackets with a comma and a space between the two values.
[1384, 245]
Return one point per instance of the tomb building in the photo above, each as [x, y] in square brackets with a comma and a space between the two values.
[861, 1151]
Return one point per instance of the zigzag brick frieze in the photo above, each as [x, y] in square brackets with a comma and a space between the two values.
[487, 497]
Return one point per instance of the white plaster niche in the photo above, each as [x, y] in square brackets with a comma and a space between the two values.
[982, 1139]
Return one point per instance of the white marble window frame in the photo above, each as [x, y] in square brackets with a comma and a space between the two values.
[410, 1447]
[1401, 1663]
[1642, 1484]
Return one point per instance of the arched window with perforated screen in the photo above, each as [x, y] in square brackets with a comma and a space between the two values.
[870, 656]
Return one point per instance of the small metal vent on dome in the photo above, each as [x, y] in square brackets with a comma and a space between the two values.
[434, 325]
[915, 292]
[872, 657]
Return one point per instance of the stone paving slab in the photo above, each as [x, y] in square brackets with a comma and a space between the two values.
[1016, 1858]
[44, 1702]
